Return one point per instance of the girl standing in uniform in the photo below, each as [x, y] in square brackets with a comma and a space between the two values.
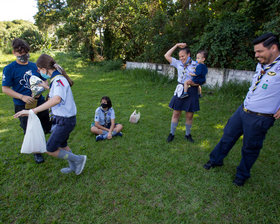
[104, 125]
[64, 111]
[190, 104]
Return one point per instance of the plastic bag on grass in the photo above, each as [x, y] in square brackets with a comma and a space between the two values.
[134, 117]
[34, 139]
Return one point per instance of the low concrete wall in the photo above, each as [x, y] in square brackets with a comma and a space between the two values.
[215, 76]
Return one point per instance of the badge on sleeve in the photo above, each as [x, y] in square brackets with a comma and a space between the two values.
[59, 82]
[264, 86]
[271, 73]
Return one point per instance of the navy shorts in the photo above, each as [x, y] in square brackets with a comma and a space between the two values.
[61, 129]
[188, 104]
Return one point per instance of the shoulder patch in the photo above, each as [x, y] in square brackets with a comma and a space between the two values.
[59, 82]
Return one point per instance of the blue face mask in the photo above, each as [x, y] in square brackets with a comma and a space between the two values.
[45, 76]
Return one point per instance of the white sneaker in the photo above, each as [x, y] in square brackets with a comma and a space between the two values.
[80, 165]
[66, 170]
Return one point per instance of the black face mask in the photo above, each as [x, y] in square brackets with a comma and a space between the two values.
[104, 105]
[23, 58]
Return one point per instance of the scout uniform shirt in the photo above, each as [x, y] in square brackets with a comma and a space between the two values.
[104, 117]
[60, 87]
[266, 96]
[183, 71]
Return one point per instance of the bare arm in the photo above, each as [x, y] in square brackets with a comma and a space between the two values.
[10, 92]
[168, 54]
[277, 114]
[48, 104]
[96, 124]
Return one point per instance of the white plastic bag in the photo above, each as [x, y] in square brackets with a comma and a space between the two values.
[34, 139]
[134, 117]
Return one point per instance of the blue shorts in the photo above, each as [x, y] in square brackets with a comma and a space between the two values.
[61, 129]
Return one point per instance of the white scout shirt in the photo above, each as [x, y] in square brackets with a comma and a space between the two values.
[60, 87]
[101, 115]
[266, 97]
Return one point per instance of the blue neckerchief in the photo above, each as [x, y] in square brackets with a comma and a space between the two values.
[54, 74]
[188, 62]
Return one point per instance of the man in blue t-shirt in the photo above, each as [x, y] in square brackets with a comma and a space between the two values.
[15, 83]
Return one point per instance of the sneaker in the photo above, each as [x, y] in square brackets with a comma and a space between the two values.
[185, 95]
[238, 182]
[80, 165]
[189, 138]
[99, 138]
[66, 170]
[170, 137]
[119, 134]
[210, 165]
[39, 158]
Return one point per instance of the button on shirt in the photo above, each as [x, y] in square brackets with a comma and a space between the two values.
[266, 97]
[60, 87]
[183, 73]
[100, 115]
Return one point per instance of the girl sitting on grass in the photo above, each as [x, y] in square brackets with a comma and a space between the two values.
[104, 125]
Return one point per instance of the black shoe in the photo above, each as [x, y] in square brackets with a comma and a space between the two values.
[39, 158]
[238, 182]
[210, 165]
[170, 137]
[189, 138]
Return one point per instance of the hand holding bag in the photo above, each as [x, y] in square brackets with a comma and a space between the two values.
[134, 117]
[34, 139]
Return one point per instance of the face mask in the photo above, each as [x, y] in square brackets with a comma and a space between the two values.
[45, 76]
[23, 58]
[104, 105]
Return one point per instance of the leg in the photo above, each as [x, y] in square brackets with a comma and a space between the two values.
[232, 131]
[96, 130]
[186, 86]
[255, 129]
[188, 124]
[174, 122]
[117, 130]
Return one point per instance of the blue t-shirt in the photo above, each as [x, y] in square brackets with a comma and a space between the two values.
[17, 77]
[200, 71]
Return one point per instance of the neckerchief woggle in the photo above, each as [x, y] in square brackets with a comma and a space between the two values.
[263, 71]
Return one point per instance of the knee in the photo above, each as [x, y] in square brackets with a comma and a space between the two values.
[119, 127]
[94, 130]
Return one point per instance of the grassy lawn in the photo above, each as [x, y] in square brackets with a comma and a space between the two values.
[138, 178]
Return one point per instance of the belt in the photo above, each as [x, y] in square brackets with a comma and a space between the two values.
[260, 114]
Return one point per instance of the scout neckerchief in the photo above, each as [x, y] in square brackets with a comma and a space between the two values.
[53, 77]
[185, 65]
[105, 116]
[263, 71]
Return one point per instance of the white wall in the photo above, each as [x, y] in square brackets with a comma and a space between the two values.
[215, 76]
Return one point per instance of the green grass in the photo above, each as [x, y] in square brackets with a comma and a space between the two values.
[138, 178]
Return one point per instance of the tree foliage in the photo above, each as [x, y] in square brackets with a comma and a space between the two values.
[143, 30]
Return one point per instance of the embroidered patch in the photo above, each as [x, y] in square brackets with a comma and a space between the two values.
[264, 86]
[271, 73]
[59, 82]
